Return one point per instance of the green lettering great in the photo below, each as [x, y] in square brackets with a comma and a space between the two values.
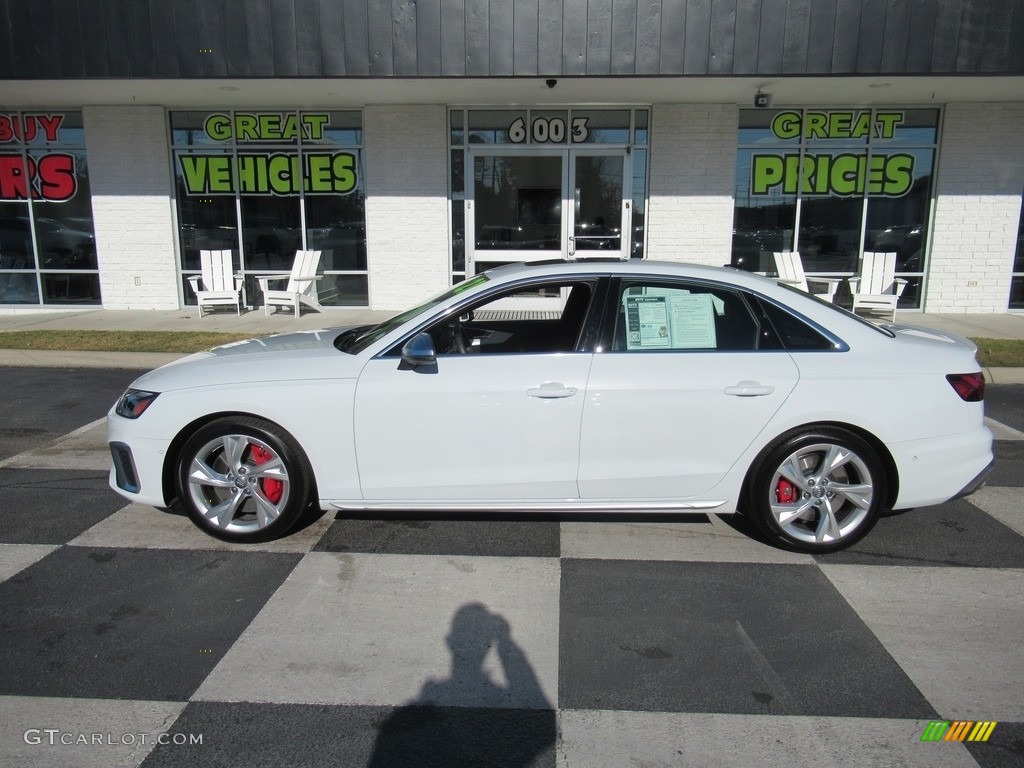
[837, 124]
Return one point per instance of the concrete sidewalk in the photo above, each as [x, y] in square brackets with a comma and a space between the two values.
[257, 323]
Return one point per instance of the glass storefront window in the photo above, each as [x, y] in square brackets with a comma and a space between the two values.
[832, 184]
[640, 132]
[496, 126]
[639, 217]
[47, 241]
[600, 126]
[266, 184]
[1017, 279]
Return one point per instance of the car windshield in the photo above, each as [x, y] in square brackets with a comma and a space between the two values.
[355, 340]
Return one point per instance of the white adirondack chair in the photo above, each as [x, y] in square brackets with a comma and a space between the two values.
[791, 272]
[301, 288]
[877, 289]
[217, 286]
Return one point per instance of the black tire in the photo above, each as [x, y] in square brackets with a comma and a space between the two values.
[243, 479]
[800, 505]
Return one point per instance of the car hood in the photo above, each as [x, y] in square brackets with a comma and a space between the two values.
[284, 357]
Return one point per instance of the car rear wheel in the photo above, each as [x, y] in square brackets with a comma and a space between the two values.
[243, 479]
[817, 491]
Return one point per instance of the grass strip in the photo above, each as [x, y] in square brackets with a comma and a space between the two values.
[1000, 353]
[117, 341]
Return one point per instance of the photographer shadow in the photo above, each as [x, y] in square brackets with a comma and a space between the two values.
[469, 719]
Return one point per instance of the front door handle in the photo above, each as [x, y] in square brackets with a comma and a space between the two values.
[750, 389]
[551, 390]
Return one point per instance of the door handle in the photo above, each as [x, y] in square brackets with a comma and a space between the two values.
[551, 390]
[750, 389]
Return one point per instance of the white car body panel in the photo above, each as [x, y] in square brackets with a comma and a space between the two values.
[650, 416]
[471, 429]
[470, 436]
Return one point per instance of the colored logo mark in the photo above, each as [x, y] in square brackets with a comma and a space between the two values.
[958, 730]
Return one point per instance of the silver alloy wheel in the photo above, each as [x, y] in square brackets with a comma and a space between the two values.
[821, 493]
[238, 483]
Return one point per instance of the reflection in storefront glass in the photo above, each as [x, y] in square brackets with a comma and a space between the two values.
[518, 202]
[46, 220]
[844, 180]
[247, 180]
[271, 232]
[598, 203]
[1017, 280]
[602, 126]
[335, 226]
[761, 224]
[829, 237]
[16, 250]
[639, 202]
[641, 117]
[205, 223]
[492, 126]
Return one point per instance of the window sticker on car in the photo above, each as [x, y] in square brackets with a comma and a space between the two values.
[677, 321]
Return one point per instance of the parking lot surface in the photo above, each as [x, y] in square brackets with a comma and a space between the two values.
[131, 638]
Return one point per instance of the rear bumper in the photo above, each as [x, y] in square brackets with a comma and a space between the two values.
[937, 469]
[977, 482]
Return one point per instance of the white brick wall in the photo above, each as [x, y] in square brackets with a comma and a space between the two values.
[407, 229]
[977, 207]
[130, 180]
[693, 160]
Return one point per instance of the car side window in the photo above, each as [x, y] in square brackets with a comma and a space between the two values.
[661, 315]
[793, 333]
[537, 319]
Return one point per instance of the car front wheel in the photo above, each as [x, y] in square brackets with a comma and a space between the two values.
[243, 479]
[817, 491]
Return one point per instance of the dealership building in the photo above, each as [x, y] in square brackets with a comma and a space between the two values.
[416, 143]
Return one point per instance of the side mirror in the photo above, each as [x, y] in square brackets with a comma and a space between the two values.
[419, 350]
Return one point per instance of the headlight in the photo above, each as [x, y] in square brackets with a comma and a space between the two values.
[134, 403]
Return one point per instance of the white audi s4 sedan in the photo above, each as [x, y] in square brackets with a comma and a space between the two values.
[568, 386]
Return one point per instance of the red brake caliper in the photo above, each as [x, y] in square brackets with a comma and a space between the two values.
[785, 492]
[272, 489]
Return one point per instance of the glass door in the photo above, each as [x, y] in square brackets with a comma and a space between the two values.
[514, 212]
[527, 205]
[546, 204]
[600, 209]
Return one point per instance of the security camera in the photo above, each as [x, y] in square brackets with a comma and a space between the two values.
[762, 100]
[551, 83]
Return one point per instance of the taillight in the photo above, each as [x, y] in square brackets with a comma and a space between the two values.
[970, 386]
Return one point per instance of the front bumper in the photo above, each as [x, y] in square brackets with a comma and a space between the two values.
[137, 464]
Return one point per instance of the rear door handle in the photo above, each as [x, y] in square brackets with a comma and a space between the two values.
[750, 389]
[551, 390]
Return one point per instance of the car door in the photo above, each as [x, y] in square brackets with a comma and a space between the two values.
[497, 420]
[681, 392]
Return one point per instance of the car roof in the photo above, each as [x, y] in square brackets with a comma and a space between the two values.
[615, 266]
